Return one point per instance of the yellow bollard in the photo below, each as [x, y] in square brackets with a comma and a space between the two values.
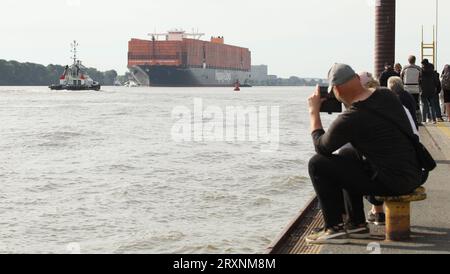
[398, 214]
[398, 221]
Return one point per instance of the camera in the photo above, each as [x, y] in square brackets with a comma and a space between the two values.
[331, 104]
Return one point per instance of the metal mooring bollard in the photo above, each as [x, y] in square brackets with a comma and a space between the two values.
[398, 214]
[398, 221]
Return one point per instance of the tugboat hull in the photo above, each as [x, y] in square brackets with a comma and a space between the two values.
[75, 88]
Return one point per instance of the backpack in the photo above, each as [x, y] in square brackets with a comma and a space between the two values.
[411, 76]
[446, 81]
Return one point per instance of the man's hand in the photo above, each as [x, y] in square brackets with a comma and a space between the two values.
[315, 102]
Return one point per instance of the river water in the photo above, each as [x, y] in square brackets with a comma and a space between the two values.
[100, 172]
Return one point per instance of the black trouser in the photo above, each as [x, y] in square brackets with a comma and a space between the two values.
[332, 175]
[417, 99]
[418, 111]
[350, 152]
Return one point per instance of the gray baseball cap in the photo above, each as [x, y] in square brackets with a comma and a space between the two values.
[339, 74]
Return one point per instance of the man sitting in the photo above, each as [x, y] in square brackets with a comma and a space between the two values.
[384, 162]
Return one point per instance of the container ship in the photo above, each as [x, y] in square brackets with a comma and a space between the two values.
[180, 59]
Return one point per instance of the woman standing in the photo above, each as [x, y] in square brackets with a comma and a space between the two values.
[398, 68]
[446, 88]
[436, 98]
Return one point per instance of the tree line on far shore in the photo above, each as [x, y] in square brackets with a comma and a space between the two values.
[13, 73]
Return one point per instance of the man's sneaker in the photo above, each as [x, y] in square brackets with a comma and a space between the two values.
[334, 235]
[376, 218]
[358, 232]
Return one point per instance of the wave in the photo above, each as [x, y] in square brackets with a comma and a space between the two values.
[150, 241]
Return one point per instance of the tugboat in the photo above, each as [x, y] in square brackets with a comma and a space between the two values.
[75, 76]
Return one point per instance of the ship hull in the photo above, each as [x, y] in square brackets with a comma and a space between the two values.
[74, 88]
[173, 76]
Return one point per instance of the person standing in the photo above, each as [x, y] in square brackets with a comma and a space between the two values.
[398, 69]
[445, 82]
[436, 98]
[411, 76]
[386, 74]
[428, 86]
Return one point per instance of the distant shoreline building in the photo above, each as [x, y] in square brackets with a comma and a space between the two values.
[260, 77]
[260, 73]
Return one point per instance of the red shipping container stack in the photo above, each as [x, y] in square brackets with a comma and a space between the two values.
[188, 53]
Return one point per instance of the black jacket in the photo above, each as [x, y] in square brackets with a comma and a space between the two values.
[430, 83]
[437, 82]
[385, 75]
[390, 153]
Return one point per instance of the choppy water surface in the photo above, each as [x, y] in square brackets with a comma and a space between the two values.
[100, 169]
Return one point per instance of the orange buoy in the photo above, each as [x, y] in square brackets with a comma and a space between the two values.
[237, 86]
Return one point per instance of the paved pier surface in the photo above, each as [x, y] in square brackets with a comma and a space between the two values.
[430, 219]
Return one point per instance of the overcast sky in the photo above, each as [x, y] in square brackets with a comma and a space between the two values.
[293, 37]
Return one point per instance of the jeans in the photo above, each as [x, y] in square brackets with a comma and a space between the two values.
[428, 111]
[334, 175]
[435, 100]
